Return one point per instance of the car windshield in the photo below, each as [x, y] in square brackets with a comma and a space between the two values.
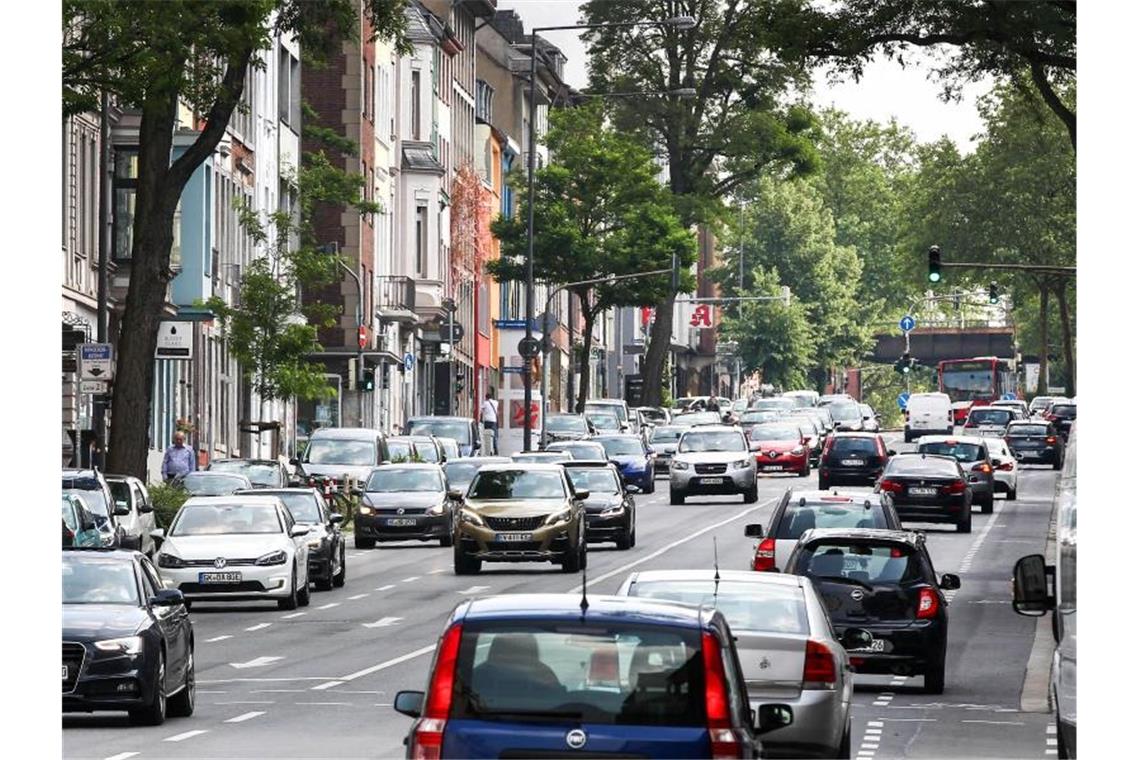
[69, 514]
[223, 519]
[618, 410]
[574, 674]
[1037, 431]
[845, 412]
[1064, 411]
[963, 452]
[774, 404]
[96, 505]
[801, 400]
[460, 473]
[213, 483]
[541, 457]
[566, 423]
[969, 381]
[259, 473]
[757, 417]
[518, 484]
[798, 519]
[914, 464]
[866, 410]
[855, 445]
[776, 433]
[399, 450]
[668, 434]
[604, 420]
[580, 450]
[341, 451]
[997, 447]
[596, 480]
[697, 418]
[120, 490]
[89, 490]
[622, 446]
[990, 417]
[456, 429]
[654, 413]
[98, 580]
[427, 451]
[388, 479]
[711, 440]
[764, 607]
[860, 562]
[301, 504]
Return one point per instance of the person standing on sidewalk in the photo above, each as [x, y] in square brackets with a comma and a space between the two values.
[179, 459]
[489, 412]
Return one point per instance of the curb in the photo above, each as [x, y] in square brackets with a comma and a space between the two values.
[1036, 696]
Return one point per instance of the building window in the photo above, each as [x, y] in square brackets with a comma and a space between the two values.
[421, 240]
[415, 105]
[289, 89]
[125, 184]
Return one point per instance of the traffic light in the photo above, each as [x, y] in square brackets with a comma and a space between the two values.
[368, 382]
[934, 260]
[904, 364]
[993, 292]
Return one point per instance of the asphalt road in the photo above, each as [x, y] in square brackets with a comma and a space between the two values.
[319, 682]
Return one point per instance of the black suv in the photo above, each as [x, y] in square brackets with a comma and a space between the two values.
[852, 459]
[882, 581]
[1035, 442]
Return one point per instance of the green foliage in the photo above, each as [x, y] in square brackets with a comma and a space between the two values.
[415, 456]
[166, 500]
[774, 338]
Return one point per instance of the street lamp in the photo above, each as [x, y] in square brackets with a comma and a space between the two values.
[677, 22]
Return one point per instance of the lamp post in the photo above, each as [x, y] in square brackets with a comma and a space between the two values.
[334, 249]
[680, 22]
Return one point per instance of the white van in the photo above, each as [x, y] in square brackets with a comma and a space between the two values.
[926, 414]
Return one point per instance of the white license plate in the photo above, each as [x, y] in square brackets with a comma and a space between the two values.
[711, 481]
[917, 491]
[397, 522]
[852, 462]
[511, 537]
[772, 468]
[65, 672]
[219, 577]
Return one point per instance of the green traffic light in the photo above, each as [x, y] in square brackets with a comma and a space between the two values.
[935, 276]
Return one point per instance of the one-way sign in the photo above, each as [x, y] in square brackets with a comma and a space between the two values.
[96, 361]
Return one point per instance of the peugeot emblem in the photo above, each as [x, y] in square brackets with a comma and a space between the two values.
[576, 739]
[764, 664]
[400, 511]
[856, 594]
[220, 562]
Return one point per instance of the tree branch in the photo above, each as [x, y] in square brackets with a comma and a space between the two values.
[1045, 87]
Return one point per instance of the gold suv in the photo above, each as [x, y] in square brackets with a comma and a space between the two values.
[520, 513]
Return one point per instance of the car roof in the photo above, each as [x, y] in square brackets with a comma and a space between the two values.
[855, 434]
[950, 439]
[535, 466]
[560, 445]
[834, 496]
[102, 551]
[594, 463]
[417, 438]
[450, 418]
[709, 574]
[902, 456]
[117, 478]
[407, 466]
[273, 491]
[608, 401]
[714, 429]
[206, 501]
[357, 433]
[212, 474]
[987, 407]
[635, 436]
[911, 537]
[74, 472]
[623, 609]
[478, 460]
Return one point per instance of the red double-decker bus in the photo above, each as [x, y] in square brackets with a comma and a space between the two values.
[975, 382]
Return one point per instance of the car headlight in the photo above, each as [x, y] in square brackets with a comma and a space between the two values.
[798, 450]
[473, 518]
[169, 560]
[680, 465]
[558, 517]
[740, 464]
[436, 509]
[613, 511]
[364, 510]
[125, 645]
[273, 558]
[108, 539]
[316, 543]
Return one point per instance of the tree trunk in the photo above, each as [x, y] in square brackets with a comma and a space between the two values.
[660, 339]
[589, 315]
[1049, 95]
[1043, 352]
[1067, 338]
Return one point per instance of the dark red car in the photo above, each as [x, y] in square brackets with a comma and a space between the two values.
[780, 447]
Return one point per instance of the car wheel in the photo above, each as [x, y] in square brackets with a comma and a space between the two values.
[187, 604]
[303, 593]
[448, 540]
[632, 536]
[1062, 748]
[625, 540]
[824, 484]
[289, 602]
[934, 678]
[363, 543]
[465, 565]
[650, 483]
[988, 505]
[154, 714]
[572, 561]
[338, 579]
[966, 525]
[181, 705]
[844, 750]
[1011, 494]
[326, 583]
[676, 497]
[752, 495]
[806, 471]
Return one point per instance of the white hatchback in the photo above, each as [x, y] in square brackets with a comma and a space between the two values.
[1005, 467]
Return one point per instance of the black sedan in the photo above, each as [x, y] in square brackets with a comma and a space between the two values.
[1035, 442]
[404, 501]
[610, 510]
[327, 567]
[882, 581]
[928, 488]
[127, 642]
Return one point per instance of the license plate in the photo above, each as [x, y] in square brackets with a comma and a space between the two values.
[918, 491]
[511, 537]
[397, 522]
[219, 577]
[772, 468]
[711, 481]
[852, 462]
[65, 672]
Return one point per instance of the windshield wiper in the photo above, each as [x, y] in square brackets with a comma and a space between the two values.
[843, 579]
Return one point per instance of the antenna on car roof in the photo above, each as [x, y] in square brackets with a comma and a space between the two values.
[716, 571]
[585, 603]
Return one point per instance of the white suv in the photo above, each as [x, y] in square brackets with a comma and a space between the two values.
[712, 459]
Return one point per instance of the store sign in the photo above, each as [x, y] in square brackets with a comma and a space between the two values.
[175, 340]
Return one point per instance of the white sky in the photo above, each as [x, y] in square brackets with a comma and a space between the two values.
[886, 89]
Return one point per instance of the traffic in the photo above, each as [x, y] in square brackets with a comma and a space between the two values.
[553, 602]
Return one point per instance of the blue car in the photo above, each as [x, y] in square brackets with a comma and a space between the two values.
[535, 675]
[633, 458]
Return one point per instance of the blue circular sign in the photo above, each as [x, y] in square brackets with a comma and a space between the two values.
[902, 399]
[409, 361]
[1009, 397]
[907, 323]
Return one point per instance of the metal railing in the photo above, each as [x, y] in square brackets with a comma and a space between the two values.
[397, 291]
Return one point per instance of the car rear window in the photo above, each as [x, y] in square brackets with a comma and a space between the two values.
[1065, 411]
[963, 452]
[865, 446]
[861, 562]
[747, 606]
[622, 446]
[611, 674]
[1028, 430]
[919, 465]
[990, 416]
[797, 519]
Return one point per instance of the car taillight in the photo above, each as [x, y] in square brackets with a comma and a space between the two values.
[958, 486]
[723, 738]
[890, 486]
[927, 604]
[1051, 439]
[819, 666]
[1006, 466]
[765, 558]
[982, 467]
[427, 738]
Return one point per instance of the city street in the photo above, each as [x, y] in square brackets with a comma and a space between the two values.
[319, 682]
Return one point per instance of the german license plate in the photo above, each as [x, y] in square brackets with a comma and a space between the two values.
[65, 672]
[711, 481]
[400, 522]
[219, 577]
[921, 491]
[772, 468]
[512, 537]
[852, 462]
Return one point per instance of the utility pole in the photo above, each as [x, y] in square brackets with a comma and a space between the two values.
[103, 317]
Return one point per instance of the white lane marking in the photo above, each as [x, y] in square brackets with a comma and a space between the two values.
[186, 735]
[879, 703]
[412, 578]
[968, 560]
[389, 663]
[338, 704]
[278, 691]
[630, 565]
[122, 756]
[356, 596]
[219, 638]
[326, 685]
[245, 716]
[259, 626]
[249, 679]
[292, 615]
[438, 570]
[996, 722]
[329, 606]
[1050, 741]
[473, 590]
[1051, 728]
[385, 588]
[256, 662]
[875, 723]
[873, 731]
[912, 720]
[247, 702]
[383, 622]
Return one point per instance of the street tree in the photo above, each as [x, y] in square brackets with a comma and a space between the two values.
[152, 57]
[741, 123]
[599, 211]
[773, 338]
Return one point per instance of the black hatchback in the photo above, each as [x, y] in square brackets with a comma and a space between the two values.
[1035, 442]
[929, 488]
[882, 581]
[852, 459]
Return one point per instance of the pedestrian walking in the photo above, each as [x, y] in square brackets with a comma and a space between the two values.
[489, 412]
[179, 459]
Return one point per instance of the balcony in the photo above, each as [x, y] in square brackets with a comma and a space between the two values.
[396, 298]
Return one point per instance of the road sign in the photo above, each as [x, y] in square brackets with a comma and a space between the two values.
[409, 361]
[902, 399]
[175, 340]
[362, 336]
[1009, 397]
[451, 332]
[96, 361]
[907, 323]
[95, 387]
[529, 348]
[513, 370]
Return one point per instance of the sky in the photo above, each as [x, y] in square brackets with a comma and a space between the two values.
[885, 90]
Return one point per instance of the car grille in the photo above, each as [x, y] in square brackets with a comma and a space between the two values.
[221, 588]
[711, 469]
[229, 562]
[399, 511]
[73, 655]
[515, 523]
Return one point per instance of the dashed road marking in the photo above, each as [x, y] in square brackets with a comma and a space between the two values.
[996, 722]
[337, 704]
[245, 716]
[356, 596]
[223, 637]
[473, 590]
[875, 723]
[122, 756]
[389, 663]
[326, 685]
[186, 735]
[385, 588]
[438, 570]
[329, 606]
[292, 615]
[383, 622]
[257, 662]
[410, 579]
[259, 626]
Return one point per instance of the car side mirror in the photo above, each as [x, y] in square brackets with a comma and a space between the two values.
[298, 530]
[950, 582]
[754, 530]
[1031, 586]
[857, 638]
[336, 518]
[475, 445]
[145, 508]
[632, 489]
[582, 495]
[772, 716]
[158, 534]
[409, 703]
[122, 508]
[454, 493]
[891, 452]
[294, 461]
[167, 597]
